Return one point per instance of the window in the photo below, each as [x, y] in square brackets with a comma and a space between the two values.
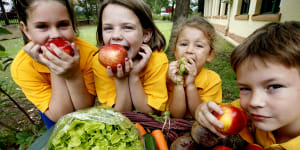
[270, 6]
[226, 9]
[245, 7]
[219, 12]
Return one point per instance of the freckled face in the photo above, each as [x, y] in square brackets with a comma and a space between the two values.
[193, 43]
[269, 93]
[121, 26]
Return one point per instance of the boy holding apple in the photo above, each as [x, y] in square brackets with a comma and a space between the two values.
[267, 68]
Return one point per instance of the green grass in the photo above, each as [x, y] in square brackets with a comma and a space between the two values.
[12, 46]
[221, 65]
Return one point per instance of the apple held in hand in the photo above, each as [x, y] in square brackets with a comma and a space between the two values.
[62, 44]
[233, 119]
[112, 55]
[222, 147]
[254, 147]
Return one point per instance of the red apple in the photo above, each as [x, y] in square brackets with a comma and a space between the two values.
[62, 44]
[233, 119]
[112, 55]
[222, 147]
[253, 147]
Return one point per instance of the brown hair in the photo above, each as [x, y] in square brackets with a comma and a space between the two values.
[143, 12]
[23, 5]
[279, 42]
[196, 22]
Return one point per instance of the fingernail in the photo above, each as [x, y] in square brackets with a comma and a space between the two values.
[126, 59]
[119, 66]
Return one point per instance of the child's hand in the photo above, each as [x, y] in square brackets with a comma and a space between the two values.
[205, 117]
[34, 51]
[172, 73]
[138, 65]
[192, 69]
[121, 73]
[65, 65]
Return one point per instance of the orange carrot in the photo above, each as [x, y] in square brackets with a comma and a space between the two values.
[160, 140]
[141, 129]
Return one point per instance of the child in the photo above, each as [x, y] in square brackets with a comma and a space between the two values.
[141, 83]
[57, 85]
[267, 68]
[195, 41]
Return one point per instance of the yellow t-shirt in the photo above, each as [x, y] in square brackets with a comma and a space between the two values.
[208, 84]
[267, 140]
[34, 78]
[153, 78]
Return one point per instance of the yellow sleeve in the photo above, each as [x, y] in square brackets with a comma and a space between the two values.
[105, 86]
[35, 85]
[210, 86]
[155, 81]
[87, 50]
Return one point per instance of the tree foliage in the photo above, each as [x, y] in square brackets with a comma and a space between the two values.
[156, 5]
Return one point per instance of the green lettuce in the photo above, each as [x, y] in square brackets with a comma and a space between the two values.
[96, 129]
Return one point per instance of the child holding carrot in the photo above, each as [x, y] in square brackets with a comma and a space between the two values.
[190, 83]
[141, 83]
[267, 68]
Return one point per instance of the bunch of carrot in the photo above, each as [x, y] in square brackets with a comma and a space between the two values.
[170, 127]
[159, 138]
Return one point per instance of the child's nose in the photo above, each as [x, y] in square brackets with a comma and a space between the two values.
[189, 49]
[258, 99]
[116, 35]
[54, 33]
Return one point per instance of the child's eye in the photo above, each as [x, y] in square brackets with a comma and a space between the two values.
[245, 89]
[128, 27]
[107, 28]
[274, 87]
[41, 26]
[183, 44]
[199, 46]
[64, 24]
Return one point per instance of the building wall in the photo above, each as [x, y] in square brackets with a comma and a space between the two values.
[237, 27]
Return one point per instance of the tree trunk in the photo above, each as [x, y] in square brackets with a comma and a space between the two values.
[201, 7]
[3, 15]
[181, 10]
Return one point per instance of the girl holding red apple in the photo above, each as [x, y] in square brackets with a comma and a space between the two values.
[141, 83]
[54, 68]
[267, 68]
[189, 82]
